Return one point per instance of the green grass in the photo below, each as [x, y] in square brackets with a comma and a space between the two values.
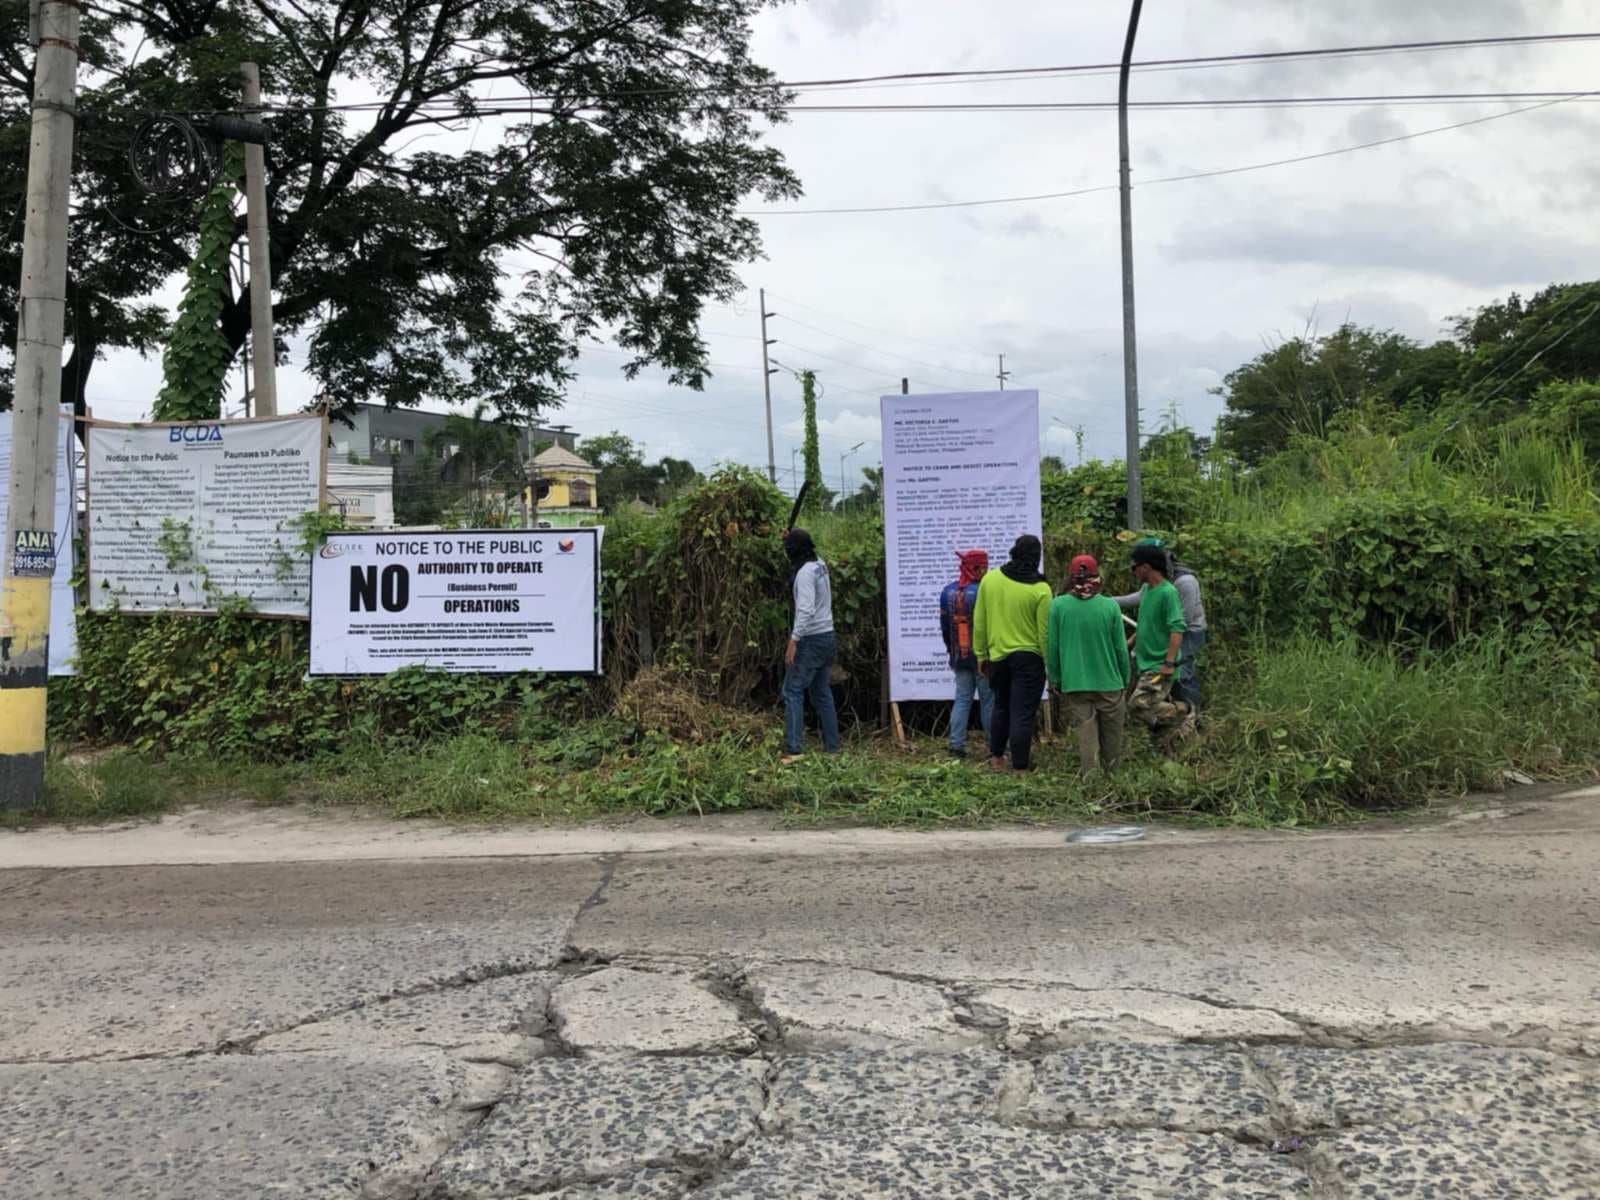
[1306, 730]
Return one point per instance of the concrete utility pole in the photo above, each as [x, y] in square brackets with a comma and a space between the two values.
[1130, 340]
[766, 384]
[30, 547]
[263, 342]
[1003, 373]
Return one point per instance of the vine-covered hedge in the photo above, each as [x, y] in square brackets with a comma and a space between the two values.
[705, 586]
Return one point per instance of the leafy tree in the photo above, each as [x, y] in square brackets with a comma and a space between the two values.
[1298, 386]
[624, 476]
[813, 446]
[677, 476]
[1514, 348]
[474, 458]
[869, 496]
[616, 186]
[1051, 464]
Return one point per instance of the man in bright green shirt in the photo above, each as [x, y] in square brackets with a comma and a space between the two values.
[1009, 623]
[1087, 662]
[1156, 647]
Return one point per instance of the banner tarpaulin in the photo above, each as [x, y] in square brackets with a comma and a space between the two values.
[960, 472]
[63, 604]
[492, 601]
[183, 516]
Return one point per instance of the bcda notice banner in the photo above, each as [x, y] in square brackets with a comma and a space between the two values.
[960, 472]
[185, 516]
[490, 600]
[63, 604]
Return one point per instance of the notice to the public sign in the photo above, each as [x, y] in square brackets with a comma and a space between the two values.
[63, 610]
[489, 600]
[187, 516]
[960, 472]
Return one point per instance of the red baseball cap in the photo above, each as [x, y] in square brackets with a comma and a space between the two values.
[1084, 564]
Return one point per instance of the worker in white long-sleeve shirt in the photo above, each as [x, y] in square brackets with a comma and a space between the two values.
[808, 661]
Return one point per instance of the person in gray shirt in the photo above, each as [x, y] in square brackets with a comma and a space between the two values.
[1187, 686]
[808, 661]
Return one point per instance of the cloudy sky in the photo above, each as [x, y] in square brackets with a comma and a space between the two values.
[1401, 236]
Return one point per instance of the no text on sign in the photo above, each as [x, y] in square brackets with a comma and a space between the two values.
[33, 553]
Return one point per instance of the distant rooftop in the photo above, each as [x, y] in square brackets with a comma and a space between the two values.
[560, 456]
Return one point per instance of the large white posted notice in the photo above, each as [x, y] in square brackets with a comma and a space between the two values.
[493, 601]
[63, 610]
[960, 472]
[184, 516]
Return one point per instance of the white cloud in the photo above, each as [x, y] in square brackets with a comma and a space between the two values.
[1399, 236]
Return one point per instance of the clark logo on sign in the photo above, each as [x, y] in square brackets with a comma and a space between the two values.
[195, 433]
[565, 545]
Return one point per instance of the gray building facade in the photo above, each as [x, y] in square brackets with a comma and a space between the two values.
[394, 436]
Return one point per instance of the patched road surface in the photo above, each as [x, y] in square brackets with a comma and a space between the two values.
[1411, 1011]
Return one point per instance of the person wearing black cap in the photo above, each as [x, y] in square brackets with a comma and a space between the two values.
[1009, 625]
[1156, 647]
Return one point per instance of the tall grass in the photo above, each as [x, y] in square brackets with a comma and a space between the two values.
[1385, 726]
[1529, 470]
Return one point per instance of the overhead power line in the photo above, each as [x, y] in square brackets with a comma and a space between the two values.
[996, 74]
[1402, 100]
[1111, 187]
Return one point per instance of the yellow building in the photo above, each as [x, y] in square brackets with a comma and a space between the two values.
[574, 497]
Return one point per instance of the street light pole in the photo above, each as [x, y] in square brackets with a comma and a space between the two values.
[842, 459]
[1130, 342]
[766, 384]
[30, 548]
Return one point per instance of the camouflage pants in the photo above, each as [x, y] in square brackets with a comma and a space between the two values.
[1152, 703]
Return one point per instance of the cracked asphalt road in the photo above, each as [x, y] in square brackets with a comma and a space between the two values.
[1398, 1012]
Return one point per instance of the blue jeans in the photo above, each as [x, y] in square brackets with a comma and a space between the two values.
[813, 665]
[1187, 687]
[968, 682]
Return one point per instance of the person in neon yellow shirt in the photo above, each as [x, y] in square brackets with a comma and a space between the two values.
[1009, 626]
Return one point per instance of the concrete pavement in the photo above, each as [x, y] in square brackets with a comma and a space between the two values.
[727, 1010]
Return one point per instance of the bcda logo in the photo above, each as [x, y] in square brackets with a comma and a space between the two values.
[195, 433]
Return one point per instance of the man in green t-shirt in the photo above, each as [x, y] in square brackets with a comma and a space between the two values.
[1087, 662]
[1156, 647]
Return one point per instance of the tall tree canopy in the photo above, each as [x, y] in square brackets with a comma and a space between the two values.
[1299, 385]
[420, 271]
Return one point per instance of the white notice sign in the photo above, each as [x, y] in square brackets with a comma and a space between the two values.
[487, 600]
[960, 472]
[182, 517]
[63, 614]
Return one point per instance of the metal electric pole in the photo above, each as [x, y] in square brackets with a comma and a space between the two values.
[766, 384]
[1130, 339]
[30, 546]
[262, 340]
[1003, 374]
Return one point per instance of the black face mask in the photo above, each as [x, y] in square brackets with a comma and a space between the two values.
[799, 548]
[1024, 564]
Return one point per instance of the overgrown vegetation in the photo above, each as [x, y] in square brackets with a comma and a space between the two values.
[1403, 602]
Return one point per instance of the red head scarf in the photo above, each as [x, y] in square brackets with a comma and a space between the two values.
[974, 563]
